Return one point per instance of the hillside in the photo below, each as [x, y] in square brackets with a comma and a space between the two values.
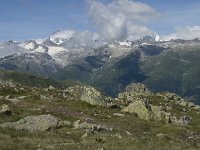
[80, 117]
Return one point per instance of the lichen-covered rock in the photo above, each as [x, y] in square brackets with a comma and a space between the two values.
[5, 110]
[34, 123]
[137, 88]
[185, 120]
[139, 108]
[148, 112]
[46, 97]
[133, 90]
[87, 94]
[190, 104]
[158, 114]
[51, 88]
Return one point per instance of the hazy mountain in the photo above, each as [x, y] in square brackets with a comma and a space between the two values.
[161, 65]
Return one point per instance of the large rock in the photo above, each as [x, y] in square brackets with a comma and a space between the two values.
[133, 90]
[34, 123]
[139, 108]
[87, 94]
[147, 112]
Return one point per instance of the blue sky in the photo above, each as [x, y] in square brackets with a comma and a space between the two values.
[29, 19]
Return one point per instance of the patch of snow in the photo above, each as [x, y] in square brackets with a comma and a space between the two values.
[54, 50]
[125, 43]
[28, 46]
[40, 49]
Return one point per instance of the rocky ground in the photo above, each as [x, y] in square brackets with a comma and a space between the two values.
[81, 117]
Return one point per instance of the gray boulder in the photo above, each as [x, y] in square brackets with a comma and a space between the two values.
[185, 120]
[87, 94]
[34, 123]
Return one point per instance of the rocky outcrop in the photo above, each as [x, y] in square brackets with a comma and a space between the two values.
[34, 123]
[147, 112]
[133, 90]
[169, 97]
[86, 94]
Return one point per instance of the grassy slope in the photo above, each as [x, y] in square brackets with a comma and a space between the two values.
[34, 81]
[143, 132]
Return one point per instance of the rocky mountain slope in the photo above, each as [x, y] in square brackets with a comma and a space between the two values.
[81, 117]
[161, 65]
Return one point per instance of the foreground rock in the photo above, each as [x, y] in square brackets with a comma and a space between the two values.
[87, 94]
[34, 123]
[146, 111]
[139, 108]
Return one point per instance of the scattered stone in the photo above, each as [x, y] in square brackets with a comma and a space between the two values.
[21, 97]
[13, 100]
[118, 136]
[183, 103]
[184, 110]
[168, 108]
[65, 123]
[47, 98]
[185, 120]
[34, 123]
[51, 87]
[190, 104]
[7, 97]
[92, 127]
[5, 110]
[87, 94]
[84, 135]
[114, 106]
[128, 133]
[197, 107]
[118, 115]
[46, 89]
[76, 123]
[161, 135]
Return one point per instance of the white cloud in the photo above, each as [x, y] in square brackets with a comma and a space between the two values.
[188, 33]
[121, 19]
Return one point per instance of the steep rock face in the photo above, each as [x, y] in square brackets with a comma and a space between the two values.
[87, 94]
[34, 123]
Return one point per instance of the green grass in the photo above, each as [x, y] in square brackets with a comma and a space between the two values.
[143, 133]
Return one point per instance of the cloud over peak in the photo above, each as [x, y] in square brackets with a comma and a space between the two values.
[187, 33]
[121, 19]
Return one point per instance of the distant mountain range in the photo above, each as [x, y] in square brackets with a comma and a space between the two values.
[161, 65]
